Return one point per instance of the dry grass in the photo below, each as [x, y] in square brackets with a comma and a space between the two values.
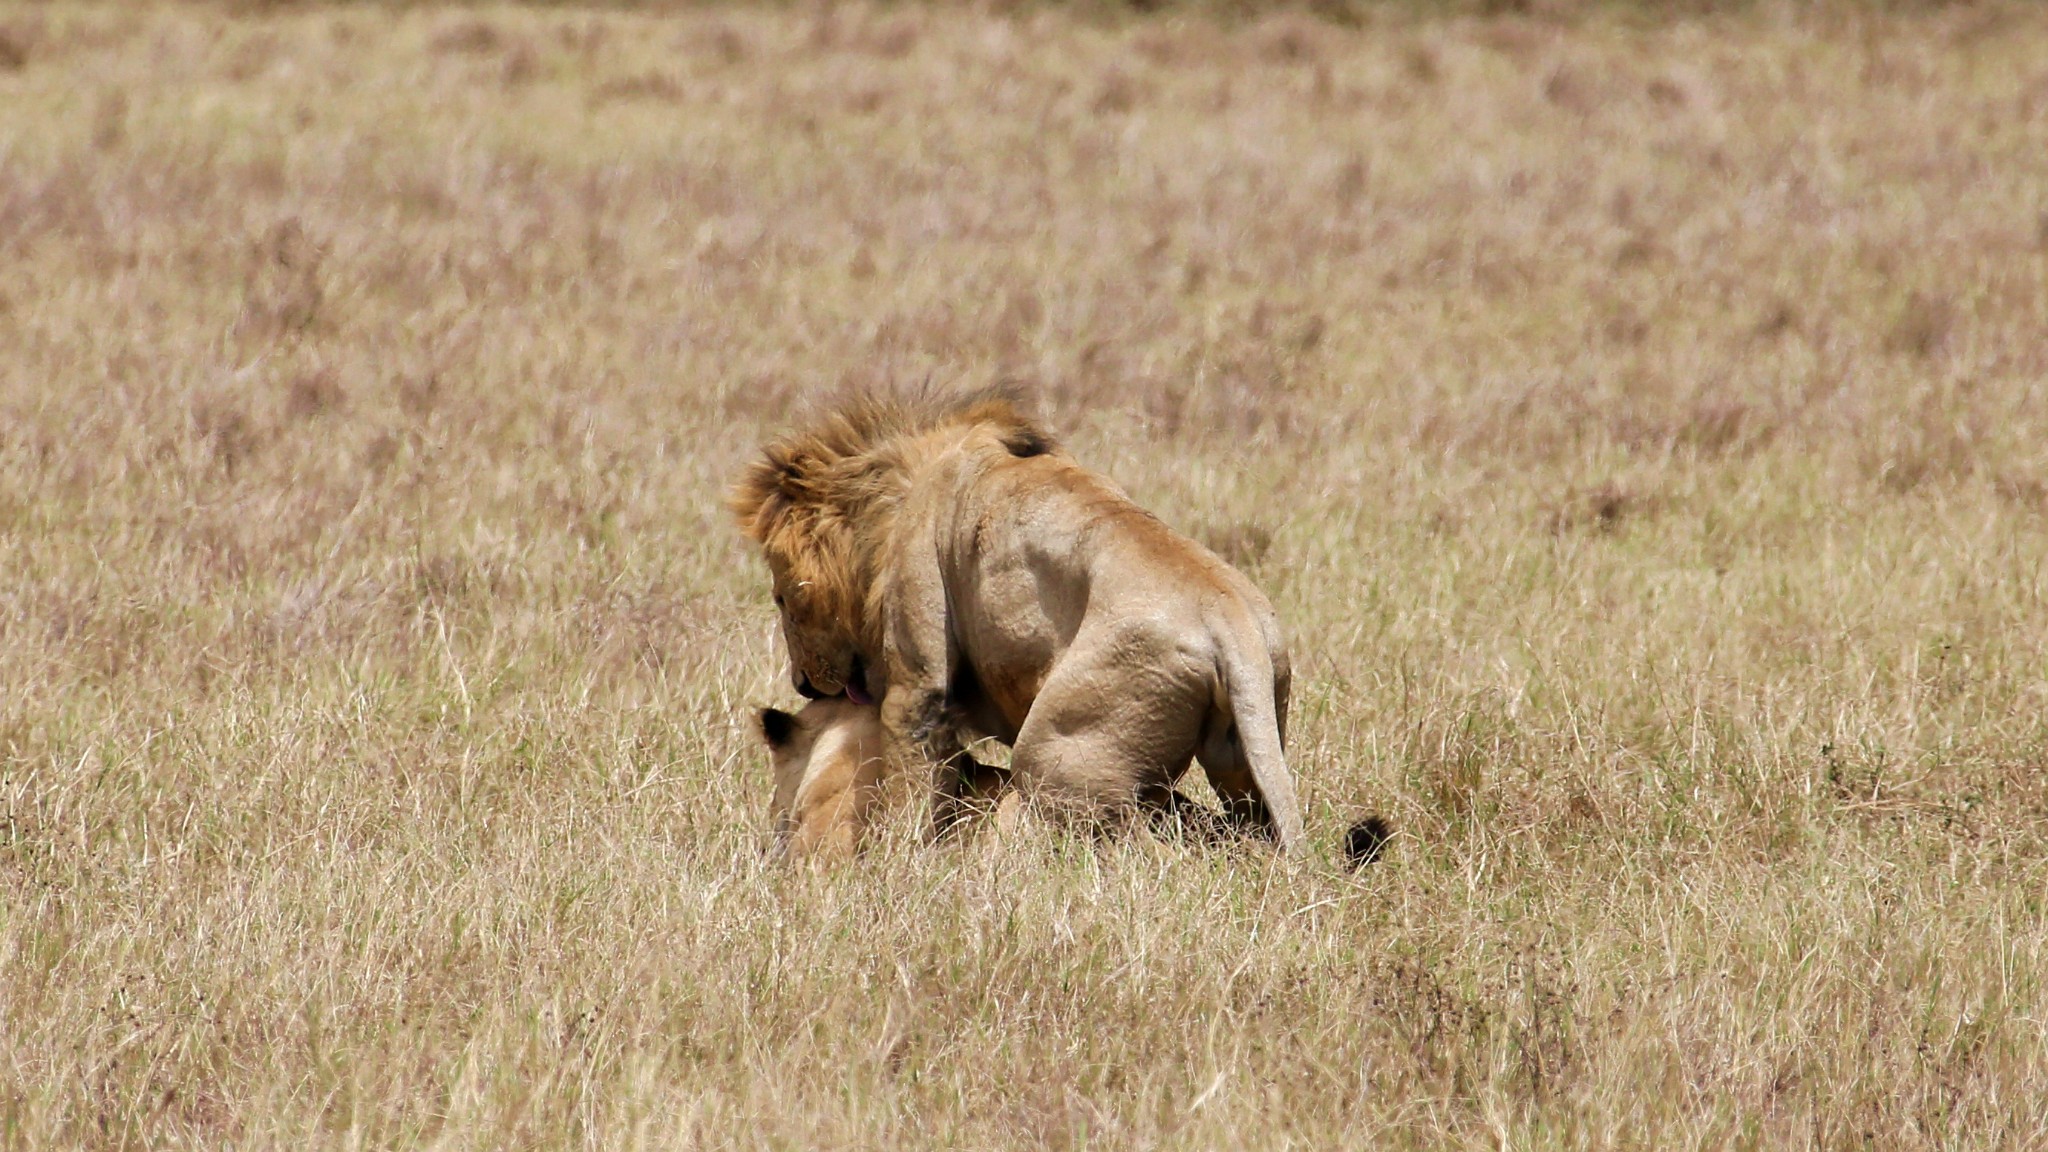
[1642, 429]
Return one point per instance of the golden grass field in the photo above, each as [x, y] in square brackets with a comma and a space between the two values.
[1640, 424]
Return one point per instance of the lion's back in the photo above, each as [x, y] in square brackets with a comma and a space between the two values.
[1073, 541]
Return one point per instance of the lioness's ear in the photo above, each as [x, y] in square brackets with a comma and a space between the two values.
[777, 727]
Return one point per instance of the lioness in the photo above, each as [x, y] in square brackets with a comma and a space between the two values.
[951, 560]
[828, 763]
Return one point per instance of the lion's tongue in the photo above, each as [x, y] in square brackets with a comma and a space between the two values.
[858, 694]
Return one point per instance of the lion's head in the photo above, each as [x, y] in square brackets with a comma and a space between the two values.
[788, 503]
[819, 501]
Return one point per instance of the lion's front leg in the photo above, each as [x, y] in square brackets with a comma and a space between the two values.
[920, 730]
[922, 741]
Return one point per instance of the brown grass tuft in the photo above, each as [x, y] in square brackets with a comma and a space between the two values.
[14, 50]
[285, 289]
[653, 86]
[1244, 545]
[1115, 94]
[1922, 326]
[467, 36]
[1600, 509]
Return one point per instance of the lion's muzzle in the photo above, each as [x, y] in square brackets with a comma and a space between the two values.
[853, 685]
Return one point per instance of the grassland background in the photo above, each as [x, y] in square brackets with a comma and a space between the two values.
[1641, 427]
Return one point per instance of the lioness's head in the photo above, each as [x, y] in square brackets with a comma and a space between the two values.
[827, 760]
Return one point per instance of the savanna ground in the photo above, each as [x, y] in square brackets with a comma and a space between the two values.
[1640, 425]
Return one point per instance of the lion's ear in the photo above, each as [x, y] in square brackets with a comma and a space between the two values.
[777, 727]
[793, 469]
[1027, 442]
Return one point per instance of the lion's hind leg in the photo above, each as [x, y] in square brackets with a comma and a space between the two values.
[1093, 753]
[1230, 775]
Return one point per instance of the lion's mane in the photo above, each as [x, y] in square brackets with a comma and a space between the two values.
[824, 496]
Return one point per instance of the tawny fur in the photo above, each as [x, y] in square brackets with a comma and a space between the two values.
[949, 559]
[828, 772]
[829, 777]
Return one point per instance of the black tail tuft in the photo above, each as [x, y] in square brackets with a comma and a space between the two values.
[1365, 841]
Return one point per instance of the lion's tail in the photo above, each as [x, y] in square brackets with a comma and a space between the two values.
[1248, 678]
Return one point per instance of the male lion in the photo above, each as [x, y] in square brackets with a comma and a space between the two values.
[829, 773]
[951, 560]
